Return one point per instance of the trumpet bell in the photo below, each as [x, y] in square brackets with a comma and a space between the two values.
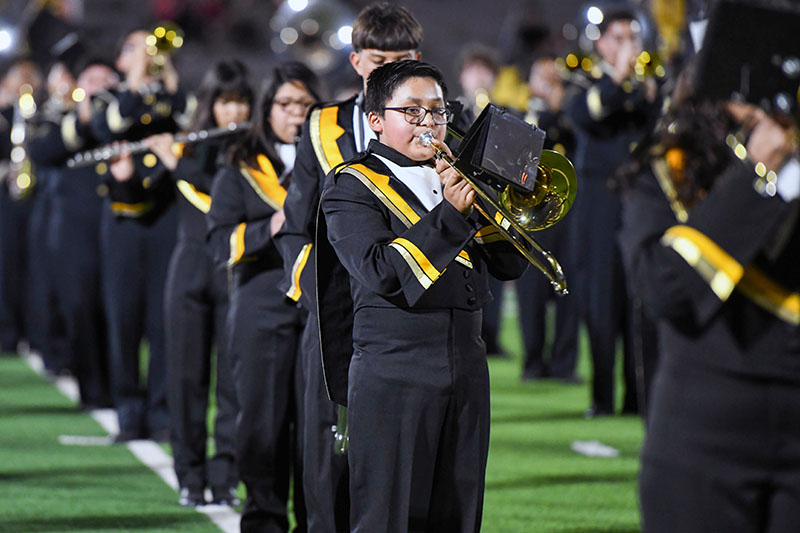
[552, 196]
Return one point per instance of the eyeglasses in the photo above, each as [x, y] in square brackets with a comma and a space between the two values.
[286, 104]
[416, 114]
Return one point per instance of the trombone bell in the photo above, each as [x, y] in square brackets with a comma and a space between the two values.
[553, 194]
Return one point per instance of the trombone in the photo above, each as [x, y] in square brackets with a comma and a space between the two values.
[554, 192]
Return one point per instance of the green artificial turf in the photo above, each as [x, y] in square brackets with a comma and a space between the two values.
[534, 482]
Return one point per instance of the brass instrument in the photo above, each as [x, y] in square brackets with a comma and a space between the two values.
[110, 151]
[648, 65]
[21, 178]
[165, 38]
[554, 192]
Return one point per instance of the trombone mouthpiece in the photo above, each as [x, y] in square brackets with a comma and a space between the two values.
[426, 138]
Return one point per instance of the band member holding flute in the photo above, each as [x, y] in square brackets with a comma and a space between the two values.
[264, 326]
[139, 233]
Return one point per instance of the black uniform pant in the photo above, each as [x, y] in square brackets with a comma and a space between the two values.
[265, 329]
[196, 307]
[14, 216]
[46, 328]
[492, 316]
[75, 244]
[325, 473]
[135, 261]
[534, 291]
[603, 292]
[418, 413]
[722, 452]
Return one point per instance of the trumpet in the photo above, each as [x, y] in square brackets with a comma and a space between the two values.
[110, 151]
[163, 40]
[553, 194]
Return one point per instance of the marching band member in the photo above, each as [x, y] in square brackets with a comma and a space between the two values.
[418, 388]
[264, 326]
[196, 297]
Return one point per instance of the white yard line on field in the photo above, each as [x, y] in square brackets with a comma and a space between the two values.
[148, 452]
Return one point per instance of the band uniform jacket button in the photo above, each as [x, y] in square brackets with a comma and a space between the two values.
[469, 287]
[471, 300]
[466, 274]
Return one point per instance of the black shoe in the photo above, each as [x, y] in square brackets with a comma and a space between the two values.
[191, 498]
[160, 435]
[127, 435]
[596, 412]
[225, 497]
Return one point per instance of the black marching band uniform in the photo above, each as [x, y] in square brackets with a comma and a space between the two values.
[609, 120]
[14, 216]
[76, 209]
[534, 290]
[418, 281]
[723, 284]
[196, 307]
[332, 134]
[138, 236]
[264, 329]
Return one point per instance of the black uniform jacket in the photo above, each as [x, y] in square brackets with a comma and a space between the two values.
[243, 202]
[124, 114]
[724, 282]
[327, 141]
[193, 178]
[397, 254]
[609, 120]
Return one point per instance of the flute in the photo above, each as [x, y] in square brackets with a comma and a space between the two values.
[110, 151]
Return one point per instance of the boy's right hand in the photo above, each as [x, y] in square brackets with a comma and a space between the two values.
[455, 189]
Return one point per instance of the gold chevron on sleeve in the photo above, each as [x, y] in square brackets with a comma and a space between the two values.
[200, 200]
[237, 244]
[295, 291]
[594, 102]
[770, 295]
[488, 234]
[325, 131]
[721, 271]
[130, 210]
[422, 268]
[265, 182]
[69, 132]
[116, 122]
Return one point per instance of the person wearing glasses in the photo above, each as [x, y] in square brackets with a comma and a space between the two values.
[263, 325]
[382, 33]
[417, 261]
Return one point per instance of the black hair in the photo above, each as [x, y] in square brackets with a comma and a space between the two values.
[694, 125]
[260, 139]
[384, 81]
[225, 78]
[615, 13]
[385, 26]
[480, 54]
[95, 61]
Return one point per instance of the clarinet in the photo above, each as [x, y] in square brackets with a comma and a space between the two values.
[110, 151]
